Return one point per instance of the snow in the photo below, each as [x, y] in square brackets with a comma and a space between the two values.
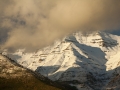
[75, 57]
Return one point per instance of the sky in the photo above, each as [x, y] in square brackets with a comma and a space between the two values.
[115, 32]
[34, 24]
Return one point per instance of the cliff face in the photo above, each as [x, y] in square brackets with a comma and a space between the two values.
[87, 61]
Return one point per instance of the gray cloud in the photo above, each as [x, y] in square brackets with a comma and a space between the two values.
[33, 24]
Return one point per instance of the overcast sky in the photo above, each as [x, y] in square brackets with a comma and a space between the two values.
[116, 32]
[33, 24]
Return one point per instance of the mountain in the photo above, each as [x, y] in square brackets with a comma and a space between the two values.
[86, 61]
[15, 77]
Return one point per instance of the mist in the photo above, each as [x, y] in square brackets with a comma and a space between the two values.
[34, 24]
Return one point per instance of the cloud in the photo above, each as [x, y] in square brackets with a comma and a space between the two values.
[33, 24]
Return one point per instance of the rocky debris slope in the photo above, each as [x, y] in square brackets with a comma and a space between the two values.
[87, 61]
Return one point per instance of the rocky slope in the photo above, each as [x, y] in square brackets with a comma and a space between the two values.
[15, 77]
[114, 83]
[87, 61]
[9, 70]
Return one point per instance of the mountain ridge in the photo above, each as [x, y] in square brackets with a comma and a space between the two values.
[83, 60]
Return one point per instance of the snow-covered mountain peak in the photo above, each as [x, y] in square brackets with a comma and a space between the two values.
[83, 58]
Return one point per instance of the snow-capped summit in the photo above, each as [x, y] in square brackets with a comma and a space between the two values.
[84, 60]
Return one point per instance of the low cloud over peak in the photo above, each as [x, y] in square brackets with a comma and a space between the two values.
[33, 24]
